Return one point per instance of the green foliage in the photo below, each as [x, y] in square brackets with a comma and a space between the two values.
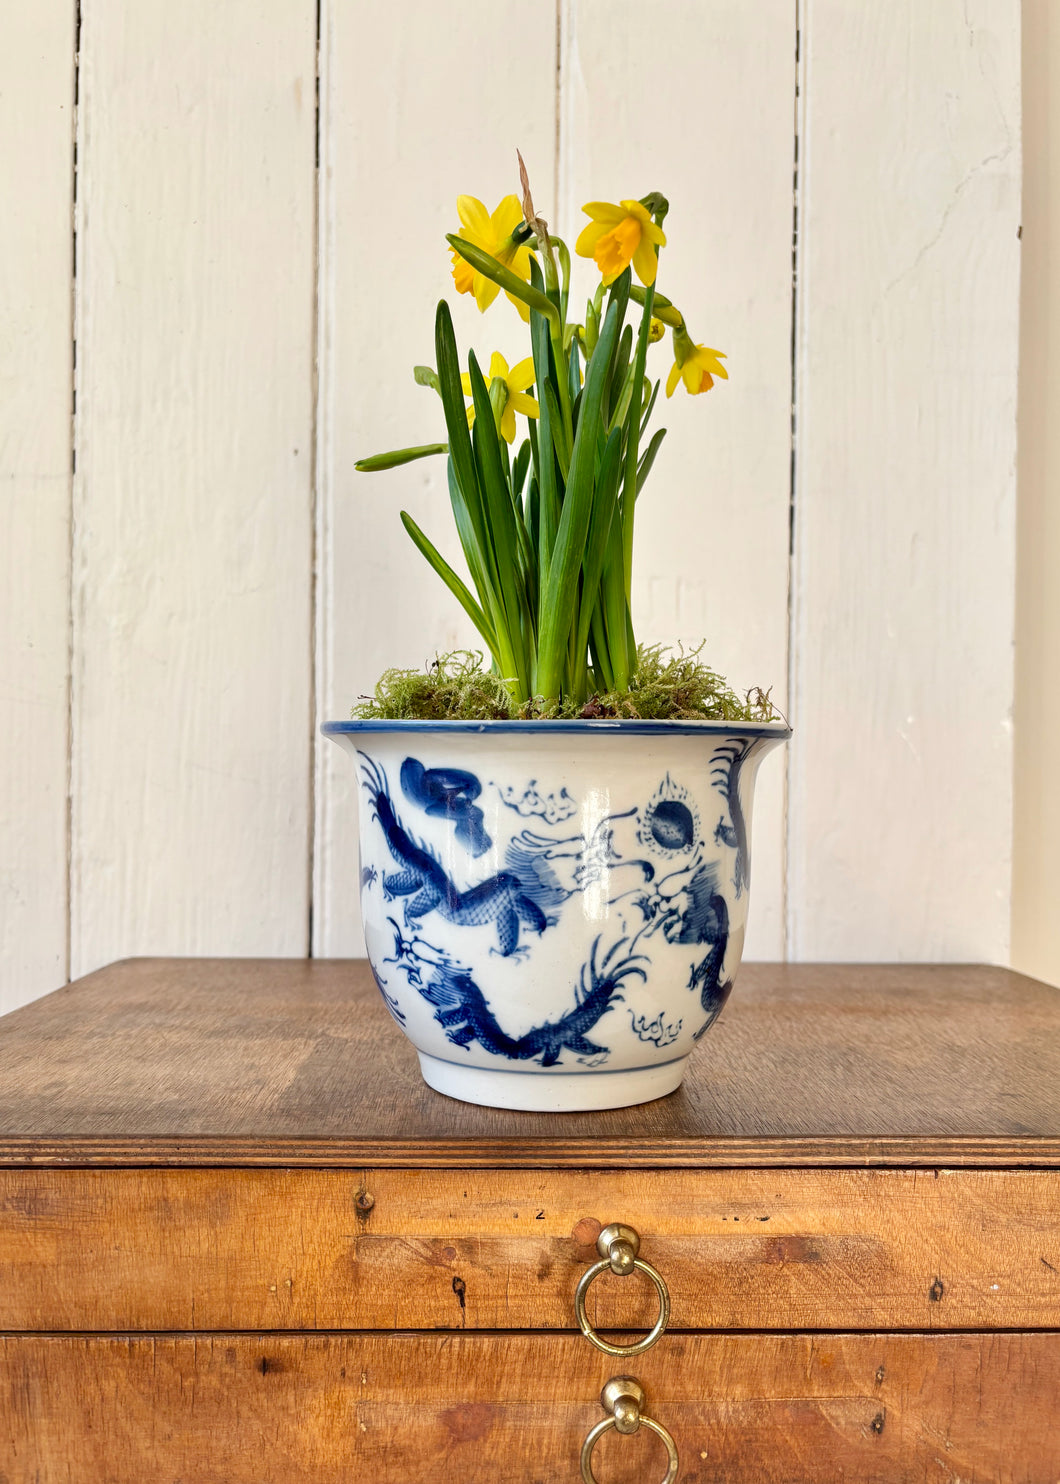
[668, 685]
[547, 531]
[548, 535]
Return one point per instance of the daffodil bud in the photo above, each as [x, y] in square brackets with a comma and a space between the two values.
[656, 330]
[498, 397]
[657, 204]
[427, 376]
[592, 327]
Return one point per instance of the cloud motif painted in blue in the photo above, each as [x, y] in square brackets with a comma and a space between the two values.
[448, 793]
[660, 1032]
[553, 808]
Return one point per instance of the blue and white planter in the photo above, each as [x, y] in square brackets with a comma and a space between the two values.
[555, 911]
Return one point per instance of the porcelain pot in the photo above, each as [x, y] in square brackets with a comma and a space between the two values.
[555, 911]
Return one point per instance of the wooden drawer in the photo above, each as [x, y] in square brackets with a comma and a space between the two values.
[275, 1409]
[226, 1197]
[201, 1249]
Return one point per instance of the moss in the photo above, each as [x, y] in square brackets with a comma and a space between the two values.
[670, 685]
[454, 687]
[674, 685]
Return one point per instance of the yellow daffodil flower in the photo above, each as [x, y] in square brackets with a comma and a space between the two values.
[493, 234]
[516, 382]
[695, 365]
[619, 235]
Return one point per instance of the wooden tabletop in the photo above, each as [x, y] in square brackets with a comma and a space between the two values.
[289, 1062]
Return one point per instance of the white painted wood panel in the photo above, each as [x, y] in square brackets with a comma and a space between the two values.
[421, 103]
[696, 98]
[193, 529]
[1036, 831]
[192, 762]
[900, 784]
[36, 298]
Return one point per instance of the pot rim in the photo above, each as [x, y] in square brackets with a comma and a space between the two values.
[629, 726]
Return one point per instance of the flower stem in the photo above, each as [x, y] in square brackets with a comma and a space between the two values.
[626, 654]
[555, 331]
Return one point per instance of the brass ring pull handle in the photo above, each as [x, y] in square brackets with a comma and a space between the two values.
[618, 1246]
[623, 1399]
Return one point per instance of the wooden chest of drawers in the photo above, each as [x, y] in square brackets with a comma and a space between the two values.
[240, 1241]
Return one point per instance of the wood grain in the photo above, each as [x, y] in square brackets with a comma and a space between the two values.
[393, 1249]
[36, 385]
[723, 476]
[425, 1409]
[900, 783]
[407, 125]
[193, 497]
[230, 1061]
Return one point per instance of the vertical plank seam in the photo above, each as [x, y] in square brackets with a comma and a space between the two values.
[322, 431]
[565, 22]
[1010, 875]
[314, 396]
[798, 177]
[1028, 924]
[75, 125]
[557, 114]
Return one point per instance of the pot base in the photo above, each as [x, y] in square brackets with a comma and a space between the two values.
[551, 1092]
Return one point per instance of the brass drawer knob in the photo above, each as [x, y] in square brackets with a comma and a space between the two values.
[622, 1398]
[618, 1246]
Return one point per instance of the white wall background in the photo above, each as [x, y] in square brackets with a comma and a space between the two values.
[229, 240]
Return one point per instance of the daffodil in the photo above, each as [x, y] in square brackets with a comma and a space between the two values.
[619, 235]
[495, 234]
[695, 365]
[515, 383]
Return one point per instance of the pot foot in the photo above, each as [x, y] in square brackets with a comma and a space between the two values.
[548, 1091]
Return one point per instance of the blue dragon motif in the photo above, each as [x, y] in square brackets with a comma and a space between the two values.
[422, 879]
[685, 906]
[705, 920]
[727, 763]
[463, 1011]
[529, 859]
[389, 1000]
[706, 977]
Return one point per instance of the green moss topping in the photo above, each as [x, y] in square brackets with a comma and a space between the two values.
[454, 688]
[669, 685]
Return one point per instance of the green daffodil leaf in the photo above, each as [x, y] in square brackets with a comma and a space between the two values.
[490, 268]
